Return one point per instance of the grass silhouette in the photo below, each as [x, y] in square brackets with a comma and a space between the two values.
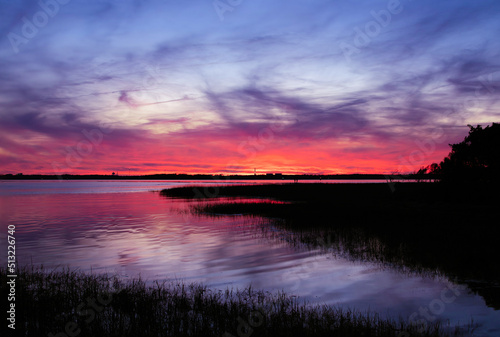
[49, 302]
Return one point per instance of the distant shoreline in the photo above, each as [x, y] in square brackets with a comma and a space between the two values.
[216, 177]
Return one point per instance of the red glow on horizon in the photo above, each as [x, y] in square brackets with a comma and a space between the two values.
[141, 152]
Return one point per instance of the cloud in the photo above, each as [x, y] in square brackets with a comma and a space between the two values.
[268, 86]
[252, 108]
[124, 97]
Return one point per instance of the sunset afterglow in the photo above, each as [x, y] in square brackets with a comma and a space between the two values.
[142, 87]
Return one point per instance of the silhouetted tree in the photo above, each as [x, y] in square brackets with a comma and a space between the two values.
[476, 158]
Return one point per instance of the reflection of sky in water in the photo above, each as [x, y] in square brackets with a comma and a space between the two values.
[143, 233]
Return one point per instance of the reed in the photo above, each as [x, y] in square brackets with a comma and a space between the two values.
[50, 301]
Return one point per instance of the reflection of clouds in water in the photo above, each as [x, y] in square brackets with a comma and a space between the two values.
[159, 238]
[125, 259]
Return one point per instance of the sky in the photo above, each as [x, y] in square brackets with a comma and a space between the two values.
[233, 86]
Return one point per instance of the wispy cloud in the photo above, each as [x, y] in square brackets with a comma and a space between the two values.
[185, 91]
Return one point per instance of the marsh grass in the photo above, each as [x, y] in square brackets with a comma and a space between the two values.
[447, 238]
[103, 305]
[426, 227]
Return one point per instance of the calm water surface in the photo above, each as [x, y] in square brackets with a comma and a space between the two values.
[126, 227]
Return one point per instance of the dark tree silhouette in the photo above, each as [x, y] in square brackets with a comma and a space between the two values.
[477, 158]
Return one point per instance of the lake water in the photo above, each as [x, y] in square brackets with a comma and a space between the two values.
[126, 227]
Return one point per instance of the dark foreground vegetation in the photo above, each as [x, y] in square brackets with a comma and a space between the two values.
[431, 227]
[71, 303]
[476, 158]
